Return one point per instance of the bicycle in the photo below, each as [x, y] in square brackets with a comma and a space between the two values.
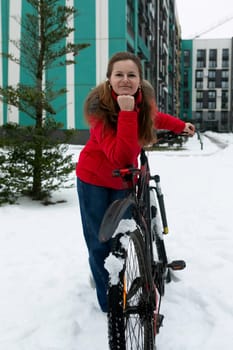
[138, 266]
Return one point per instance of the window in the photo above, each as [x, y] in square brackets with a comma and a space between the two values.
[199, 105]
[211, 94]
[211, 85]
[187, 58]
[213, 58]
[200, 64]
[212, 74]
[225, 58]
[199, 84]
[130, 14]
[224, 104]
[211, 105]
[211, 115]
[199, 116]
[199, 74]
[212, 54]
[225, 64]
[224, 118]
[199, 79]
[199, 95]
[225, 54]
[186, 99]
[225, 74]
[185, 78]
[200, 54]
[140, 31]
[225, 84]
[224, 95]
[212, 64]
[201, 58]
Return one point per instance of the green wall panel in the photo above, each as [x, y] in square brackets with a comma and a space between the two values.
[117, 26]
[55, 75]
[85, 70]
[58, 77]
[186, 45]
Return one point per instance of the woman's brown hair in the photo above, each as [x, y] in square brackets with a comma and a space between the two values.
[101, 104]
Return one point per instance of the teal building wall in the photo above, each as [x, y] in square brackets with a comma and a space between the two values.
[186, 80]
[84, 70]
[102, 24]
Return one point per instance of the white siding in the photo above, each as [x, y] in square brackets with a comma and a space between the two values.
[70, 82]
[1, 104]
[101, 39]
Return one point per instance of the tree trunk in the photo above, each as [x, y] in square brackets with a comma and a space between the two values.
[37, 170]
[36, 186]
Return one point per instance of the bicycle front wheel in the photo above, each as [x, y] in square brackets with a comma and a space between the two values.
[132, 301]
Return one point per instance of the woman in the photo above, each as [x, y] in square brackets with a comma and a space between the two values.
[122, 115]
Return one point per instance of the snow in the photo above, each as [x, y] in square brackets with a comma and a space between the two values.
[127, 225]
[46, 301]
[114, 266]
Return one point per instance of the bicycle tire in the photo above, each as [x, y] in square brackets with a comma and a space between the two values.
[159, 250]
[132, 301]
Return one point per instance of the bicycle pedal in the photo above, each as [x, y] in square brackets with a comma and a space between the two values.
[177, 265]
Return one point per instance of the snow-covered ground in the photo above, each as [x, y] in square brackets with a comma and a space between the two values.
[46, 302]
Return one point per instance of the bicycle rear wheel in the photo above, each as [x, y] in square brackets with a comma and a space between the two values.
[132, 301]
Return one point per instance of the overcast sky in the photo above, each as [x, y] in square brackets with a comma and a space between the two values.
[200, 15]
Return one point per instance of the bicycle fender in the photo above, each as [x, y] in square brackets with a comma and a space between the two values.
[112, 217]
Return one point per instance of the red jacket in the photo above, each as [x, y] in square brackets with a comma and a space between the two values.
[107, 151]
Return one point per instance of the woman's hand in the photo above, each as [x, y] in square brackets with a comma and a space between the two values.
[189, 129]
[126, 102]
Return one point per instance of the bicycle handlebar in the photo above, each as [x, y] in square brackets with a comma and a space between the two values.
[167, 135]
[125, 172]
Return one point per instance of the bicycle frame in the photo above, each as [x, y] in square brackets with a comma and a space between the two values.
[138, 181]
[138, 201]
[144, 200]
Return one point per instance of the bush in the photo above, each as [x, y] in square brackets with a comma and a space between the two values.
[34, 162]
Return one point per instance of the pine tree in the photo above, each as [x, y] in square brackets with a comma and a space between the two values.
[44, 45]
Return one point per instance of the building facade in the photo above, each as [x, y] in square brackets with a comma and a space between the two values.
[148, 28]
[167, 64]
[207, 77]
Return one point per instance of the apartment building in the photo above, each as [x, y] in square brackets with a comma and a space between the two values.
[206, 90]
[168, 37]
[149, 28]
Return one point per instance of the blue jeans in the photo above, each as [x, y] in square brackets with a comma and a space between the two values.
[93, 202]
